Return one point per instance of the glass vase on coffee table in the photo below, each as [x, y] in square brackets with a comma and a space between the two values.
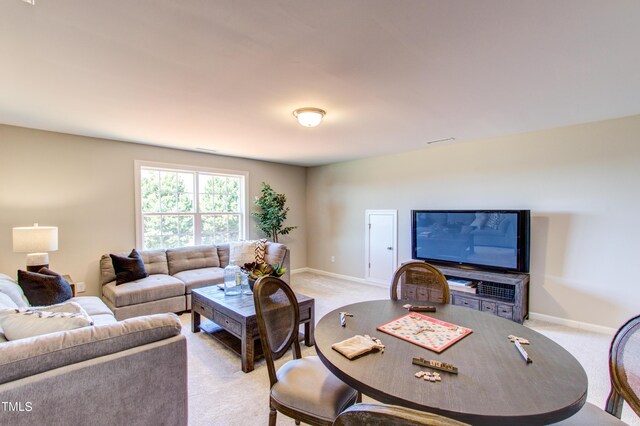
[232, 280]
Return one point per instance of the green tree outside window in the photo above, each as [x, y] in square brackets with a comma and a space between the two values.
[173, 207]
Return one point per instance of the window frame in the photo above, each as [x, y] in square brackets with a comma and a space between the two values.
[172, 167]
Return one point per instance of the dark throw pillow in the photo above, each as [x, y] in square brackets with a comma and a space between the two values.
[128, 268]
[44, 287]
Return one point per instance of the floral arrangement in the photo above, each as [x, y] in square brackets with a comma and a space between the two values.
[257, 270]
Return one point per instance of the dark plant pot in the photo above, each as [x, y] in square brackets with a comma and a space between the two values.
[252, 282]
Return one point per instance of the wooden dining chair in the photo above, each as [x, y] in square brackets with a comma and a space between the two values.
[302, 388]
[419, 281]
[624, 373]
[390, 415]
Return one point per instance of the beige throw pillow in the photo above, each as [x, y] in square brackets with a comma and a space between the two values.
[242, 252]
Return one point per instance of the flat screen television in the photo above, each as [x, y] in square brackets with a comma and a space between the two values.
[485, 239]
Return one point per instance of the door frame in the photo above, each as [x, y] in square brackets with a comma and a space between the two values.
[394, 238]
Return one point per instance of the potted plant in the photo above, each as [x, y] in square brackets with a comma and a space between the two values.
[257, 270]
[272, 213]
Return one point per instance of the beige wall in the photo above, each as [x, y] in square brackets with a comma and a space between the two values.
[581, 184]
[85, 186]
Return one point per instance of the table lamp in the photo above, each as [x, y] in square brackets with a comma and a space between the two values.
[36, 241]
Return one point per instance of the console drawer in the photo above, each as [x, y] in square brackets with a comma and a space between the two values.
[505, 311]
[489, 307]
[205, 311]
[229, 324]
[305, 314]
[467, 301]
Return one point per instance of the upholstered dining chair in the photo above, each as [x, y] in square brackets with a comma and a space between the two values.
[419, 281]
[390, 415]
[302, 388]
[624, 373]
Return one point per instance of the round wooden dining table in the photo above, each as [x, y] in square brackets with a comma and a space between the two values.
[494, 384]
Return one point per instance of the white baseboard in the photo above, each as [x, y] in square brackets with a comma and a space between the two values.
[571, 323]
[299, 270]
[343, 277]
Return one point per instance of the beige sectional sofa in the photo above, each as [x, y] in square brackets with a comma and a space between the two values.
[114, 372]
[172, 275]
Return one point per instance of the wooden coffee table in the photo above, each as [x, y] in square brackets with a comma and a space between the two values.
[236, 315]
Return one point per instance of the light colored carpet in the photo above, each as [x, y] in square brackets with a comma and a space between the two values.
[221, 394]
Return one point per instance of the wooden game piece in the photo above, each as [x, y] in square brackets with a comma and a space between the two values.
[422, 308]
[437, 365]
[419, 308]
[524, 353]
[522, 341]
[378, 342]
[343, 318]
[428, 376]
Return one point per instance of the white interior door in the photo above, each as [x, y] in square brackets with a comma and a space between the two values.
[381, 245]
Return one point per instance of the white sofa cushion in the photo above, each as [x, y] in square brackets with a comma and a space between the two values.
[200, 277]
[96, 309]
[11, 288]
[190, 258]
[154, 287]
[7, 302]
[92, 305]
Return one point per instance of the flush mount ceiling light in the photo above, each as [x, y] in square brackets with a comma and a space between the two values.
[309, 117]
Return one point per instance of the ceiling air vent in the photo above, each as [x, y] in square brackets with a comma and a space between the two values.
[441, 140]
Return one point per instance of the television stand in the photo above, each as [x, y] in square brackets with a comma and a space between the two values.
[503, 294]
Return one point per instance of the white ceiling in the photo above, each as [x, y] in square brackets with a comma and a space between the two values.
[391, 74]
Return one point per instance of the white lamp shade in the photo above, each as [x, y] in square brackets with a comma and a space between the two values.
[35, 239]
[309, 117]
